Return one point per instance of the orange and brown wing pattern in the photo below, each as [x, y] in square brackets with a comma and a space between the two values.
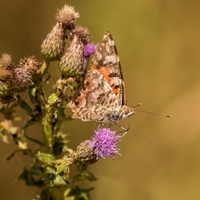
[106, 61]
[103, 88]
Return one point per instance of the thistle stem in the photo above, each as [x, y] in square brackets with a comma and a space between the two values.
[48, 130]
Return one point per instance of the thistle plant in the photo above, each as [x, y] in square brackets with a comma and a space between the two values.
[52, 159]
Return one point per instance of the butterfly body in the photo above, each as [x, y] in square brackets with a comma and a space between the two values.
[102, 97]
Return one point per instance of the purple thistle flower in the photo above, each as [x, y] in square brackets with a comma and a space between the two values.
[104, 143]
[89, 49]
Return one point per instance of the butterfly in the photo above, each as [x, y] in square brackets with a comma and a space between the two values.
[102, 97]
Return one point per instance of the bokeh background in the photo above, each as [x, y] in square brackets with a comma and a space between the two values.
[159, 47]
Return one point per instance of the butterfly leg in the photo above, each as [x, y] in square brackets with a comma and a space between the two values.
[95, 126]
[124, 130]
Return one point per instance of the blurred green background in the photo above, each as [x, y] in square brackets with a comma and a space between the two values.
[159, 47]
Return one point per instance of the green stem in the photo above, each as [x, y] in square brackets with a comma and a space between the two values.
[46, 110]
[51, 193]
[44, 67]
[48, 130]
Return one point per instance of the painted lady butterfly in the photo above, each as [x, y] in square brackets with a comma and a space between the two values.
[102, 97]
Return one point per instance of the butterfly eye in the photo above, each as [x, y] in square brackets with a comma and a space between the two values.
[115, 116]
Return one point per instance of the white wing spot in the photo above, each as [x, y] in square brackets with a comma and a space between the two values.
[111, 42]
[110, 59]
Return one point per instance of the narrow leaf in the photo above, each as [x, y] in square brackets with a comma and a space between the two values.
[26, 107]
[52, 99]
[45, 157]
[62, 167]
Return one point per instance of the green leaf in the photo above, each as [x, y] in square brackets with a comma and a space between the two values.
[60, 142]
[32, 94]
[52, 99]
[84, 175]
[61, 112]
[70, 198]
[50, 170]
[77, 193]
[35, 170]
[30, 178]
[45, 157]
[59, 181]
[34, 140]
[66, 192]
[26, 107]
[29, 123]
[62, 167]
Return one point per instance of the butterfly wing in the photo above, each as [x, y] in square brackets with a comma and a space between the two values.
[103, 89]
[106, 61]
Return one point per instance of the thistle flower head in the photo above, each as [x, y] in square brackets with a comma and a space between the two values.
[82, 33]
[89, 49]
[102, 145]
[67, 16]
[6, 60]
[6, 67]
[105, 142]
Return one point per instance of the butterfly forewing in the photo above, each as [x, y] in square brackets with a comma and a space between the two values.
[103, 90]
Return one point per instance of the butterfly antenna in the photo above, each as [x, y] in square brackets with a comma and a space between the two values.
[169, 116]
[139, 104]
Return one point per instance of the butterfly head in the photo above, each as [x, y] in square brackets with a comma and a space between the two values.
[126, 111]
[117, 115]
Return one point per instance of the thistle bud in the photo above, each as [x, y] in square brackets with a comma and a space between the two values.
[30, 64]
[22, 79]
[85, 153]
[52, 47]
[72, 63]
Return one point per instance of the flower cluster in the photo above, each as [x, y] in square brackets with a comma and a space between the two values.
[52, 47]
[73, 63]
[102, 145]
[16, 78]
[49, 110]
